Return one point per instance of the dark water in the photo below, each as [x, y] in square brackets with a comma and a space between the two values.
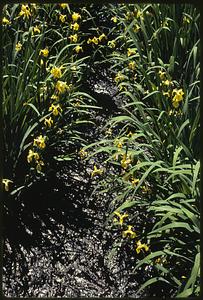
[57, 243]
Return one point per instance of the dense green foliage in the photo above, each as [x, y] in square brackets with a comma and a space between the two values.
[151, 149]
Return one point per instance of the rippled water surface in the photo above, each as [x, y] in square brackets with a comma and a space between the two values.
[56, 241]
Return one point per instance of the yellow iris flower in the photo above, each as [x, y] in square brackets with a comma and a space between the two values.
[101, 37]
[139, 14]
[129, 232]
[186, 20]
[54, 97]
[48, 122]
[32, 155]
[61, 87]
[167, 94]
[6, 183]
[121, 217]
[36, 29]
[162, 75]
[78, 49]
[89, 41]
[63, 5]
[129, 15]
[62, 18]
[5, 21]
[76, 17]
[167, 82]
[134, 181]
[56, 109]
[56, 72]
[96, 171]
[82, 153]
[73, 38]
[161, 261]
[119, 77]
[177, 97]
[25, 11]
[140, 246]
[75, 26]
[118, 143]
[44, 52]
[112, 44]
[114, 19]
[132, 65]
[125, 161]
[130, 134]
[136, 28]
[18, 46]
[131, 52]
[40, 142]
[95, 40]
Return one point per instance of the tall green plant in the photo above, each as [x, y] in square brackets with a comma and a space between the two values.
[154, 145]
[42, 71]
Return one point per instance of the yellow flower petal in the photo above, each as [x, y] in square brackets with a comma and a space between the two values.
[6, 183]
[44, 52]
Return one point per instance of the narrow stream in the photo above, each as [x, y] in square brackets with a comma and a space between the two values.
[60, 246]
